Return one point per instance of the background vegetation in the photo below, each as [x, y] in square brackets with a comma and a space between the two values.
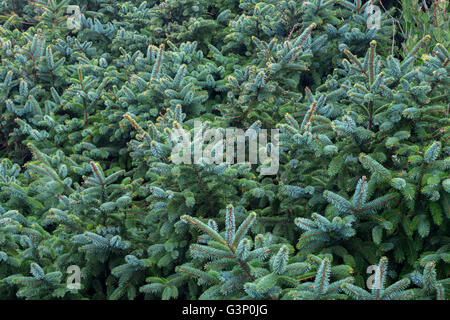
[86, 177]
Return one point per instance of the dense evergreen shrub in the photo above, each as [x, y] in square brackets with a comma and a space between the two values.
[88, 179]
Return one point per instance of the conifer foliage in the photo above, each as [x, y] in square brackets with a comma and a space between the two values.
[96, 98]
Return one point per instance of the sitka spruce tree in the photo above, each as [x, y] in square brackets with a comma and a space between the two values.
[119, 178]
